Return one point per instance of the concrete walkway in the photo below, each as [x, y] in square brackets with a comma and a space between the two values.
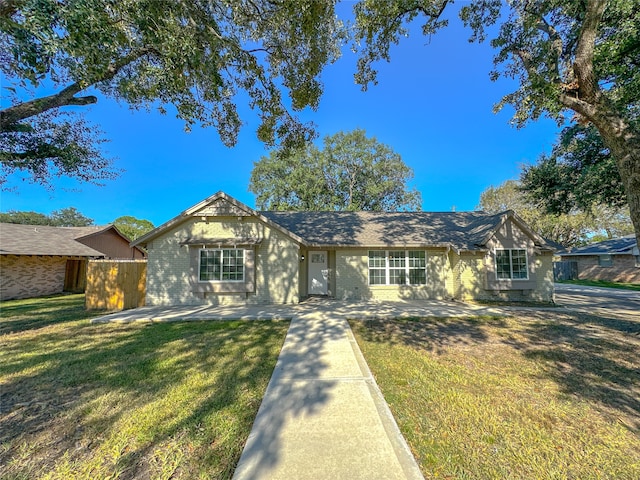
[322, 416]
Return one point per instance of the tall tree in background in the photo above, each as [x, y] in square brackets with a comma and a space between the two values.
[65, 217]
[133, 227]
[568, 229]
[198, 56]
[567, 55]
[351, 172]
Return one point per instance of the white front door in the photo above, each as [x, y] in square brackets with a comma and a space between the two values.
[318, 273]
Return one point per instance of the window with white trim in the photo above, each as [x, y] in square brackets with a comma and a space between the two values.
[511, 263]
[397, 267]
[222, 264]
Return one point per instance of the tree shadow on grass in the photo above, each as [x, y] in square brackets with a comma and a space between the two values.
[432, 334]
[75, 388]
[592, 358]
[31, 314]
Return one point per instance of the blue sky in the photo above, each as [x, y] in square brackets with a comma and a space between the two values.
[433, 105]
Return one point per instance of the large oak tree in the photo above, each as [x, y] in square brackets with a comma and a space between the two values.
[569, 56]
[197, 57]
[351, 172]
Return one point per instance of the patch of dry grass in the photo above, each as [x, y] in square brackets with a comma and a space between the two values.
[552, 395]
[172, 400]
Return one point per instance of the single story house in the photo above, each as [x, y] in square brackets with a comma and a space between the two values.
[616, 260]
[221, 251]
[38, 260]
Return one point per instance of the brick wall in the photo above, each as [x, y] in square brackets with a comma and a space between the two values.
[23, 276]
[623, 269]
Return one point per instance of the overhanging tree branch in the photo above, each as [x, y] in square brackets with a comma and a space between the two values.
[11, 116]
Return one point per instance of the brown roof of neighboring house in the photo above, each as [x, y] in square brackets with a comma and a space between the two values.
[17, 239]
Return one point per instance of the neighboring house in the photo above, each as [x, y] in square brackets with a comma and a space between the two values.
[616, 260]
[221, 251]
[38, 260]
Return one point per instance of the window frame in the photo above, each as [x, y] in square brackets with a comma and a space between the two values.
[511, 263]
[605, 260]
[399, 267]
[222, 265]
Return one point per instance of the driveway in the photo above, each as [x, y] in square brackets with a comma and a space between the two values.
[601, 301]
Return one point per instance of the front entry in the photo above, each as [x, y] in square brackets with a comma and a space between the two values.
[318, 273]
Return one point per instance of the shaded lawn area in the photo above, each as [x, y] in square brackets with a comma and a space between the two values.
[164, 400]
[547, 395]
[603, 283]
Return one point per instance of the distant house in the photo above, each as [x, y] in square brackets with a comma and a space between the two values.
[39, 260]
[221, 251]
[616, 260]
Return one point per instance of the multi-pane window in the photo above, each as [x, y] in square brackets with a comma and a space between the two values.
[417, 268]
[512, 263]
[221, 265]
[377, 268]
[397, 267]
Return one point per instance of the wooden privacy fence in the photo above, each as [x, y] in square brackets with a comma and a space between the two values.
[115, 284]
[565, 271]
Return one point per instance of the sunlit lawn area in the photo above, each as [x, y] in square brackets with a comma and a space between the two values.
[547, 396]
[169, 400]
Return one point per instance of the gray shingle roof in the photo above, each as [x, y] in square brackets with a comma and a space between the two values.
[615, 246]
[16, 239]
[462, 230]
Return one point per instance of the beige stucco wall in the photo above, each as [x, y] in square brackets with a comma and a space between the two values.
[276, 263]
[352, 279]
[475, 278]
[23, 276]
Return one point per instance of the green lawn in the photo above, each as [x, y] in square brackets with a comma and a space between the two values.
[164, 400]
[603, 283]
[549, 396]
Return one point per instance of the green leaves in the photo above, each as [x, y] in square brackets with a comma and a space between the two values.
[352, 172]
[199, 57]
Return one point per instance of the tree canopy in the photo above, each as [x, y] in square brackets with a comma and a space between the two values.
[351, 172]
[567, 56]
[568, 229]
[580, 174]
[133, 227]
[199, 57]
[65, 217]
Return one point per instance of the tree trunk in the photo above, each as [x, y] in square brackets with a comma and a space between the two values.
[624, 143]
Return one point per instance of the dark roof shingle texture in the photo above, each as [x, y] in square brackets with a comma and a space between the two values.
[462, 230]
[16, 239]
[622, 245]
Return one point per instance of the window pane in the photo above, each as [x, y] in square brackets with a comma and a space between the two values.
[210, 267]
[503, 264]
[519, 263]
[417, 268]
[417, 260]
[417, 276]
[377, 259]
[226, 264]
[397, 276]
[396, 259]
[377, 276]
[377, 267]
